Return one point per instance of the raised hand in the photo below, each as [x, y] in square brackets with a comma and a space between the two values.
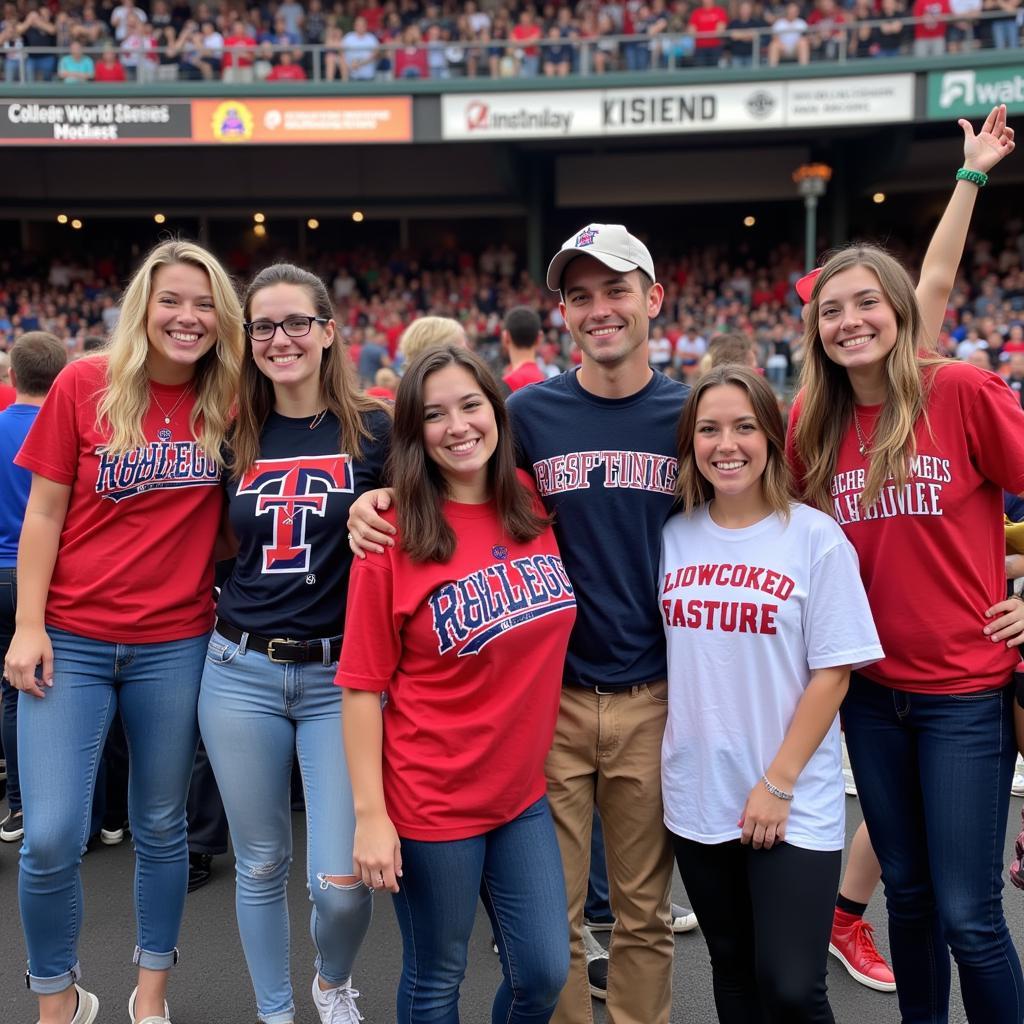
[995, 140]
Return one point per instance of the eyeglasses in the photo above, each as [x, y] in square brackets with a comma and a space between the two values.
[293, 326]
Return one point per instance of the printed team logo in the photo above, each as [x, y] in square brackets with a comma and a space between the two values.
[500, 551]
[232, 122]
[158, 466]
[473, 611]
[289, 490]
[163, 435]
[586, 237]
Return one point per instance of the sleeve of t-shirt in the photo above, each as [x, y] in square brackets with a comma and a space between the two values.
[838, 627]
[372, 646]
[514, 406]
[51, 447]
[995, 435]
[376, 451]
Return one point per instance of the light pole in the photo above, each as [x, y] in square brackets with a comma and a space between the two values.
[811, 180]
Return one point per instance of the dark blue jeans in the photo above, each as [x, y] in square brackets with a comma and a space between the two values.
[933, 773]
[9, 719]
[516, 871]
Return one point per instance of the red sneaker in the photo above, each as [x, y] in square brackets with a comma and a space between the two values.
[851, 943]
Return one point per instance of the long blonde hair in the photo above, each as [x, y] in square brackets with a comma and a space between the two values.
[828, 404]
[127, 396]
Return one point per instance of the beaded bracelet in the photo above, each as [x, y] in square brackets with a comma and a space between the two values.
[775, 791]
[979, 178]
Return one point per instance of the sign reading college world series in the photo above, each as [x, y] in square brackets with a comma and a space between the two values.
[970, 93]
[679, 109]
[210, 121]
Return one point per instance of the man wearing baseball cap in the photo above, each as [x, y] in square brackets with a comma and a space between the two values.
[600, 443]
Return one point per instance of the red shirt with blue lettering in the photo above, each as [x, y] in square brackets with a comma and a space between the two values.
[135, 562]
[470, 653]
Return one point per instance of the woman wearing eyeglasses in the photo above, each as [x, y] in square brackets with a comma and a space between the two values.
[306, 442]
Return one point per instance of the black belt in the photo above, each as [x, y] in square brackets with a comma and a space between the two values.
[279, 649]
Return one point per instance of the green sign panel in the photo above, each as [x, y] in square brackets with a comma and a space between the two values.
[967, 93]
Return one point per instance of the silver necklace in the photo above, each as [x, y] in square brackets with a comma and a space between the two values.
[862, 443]
[174, 408]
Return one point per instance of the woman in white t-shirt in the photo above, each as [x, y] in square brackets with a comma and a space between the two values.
[764, 615]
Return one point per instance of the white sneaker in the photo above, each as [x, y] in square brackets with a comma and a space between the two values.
[1017, 786]
[683, 919]
[336, 1005]
[88, 1007]
[165, 1019]
[848, 783]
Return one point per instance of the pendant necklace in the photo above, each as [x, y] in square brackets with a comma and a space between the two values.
[174, 408]
[862, 444]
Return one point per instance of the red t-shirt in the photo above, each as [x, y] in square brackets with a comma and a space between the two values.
[7, 395]
[526, 34]
[286, 73]
[108, 72]
[135, 563]
[528, 373]
[708, 19]
[242, 57]
[934, 9]
[471, 654]
[931, 554]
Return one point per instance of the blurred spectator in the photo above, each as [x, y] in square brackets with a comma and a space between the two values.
[743, 34]
[211, 52]
[789, 37]
[385, 384]
[359, 48]
[961, 33]
[12, 44]
[558, 57]
[109, 68]
[37, 29]
[287, 69]
[75, 66]
[411, 59]
[827, 30]
[527, 56]
[708, 17]
[930, 34]
[236, 65]
[120, 18]
[893, 33]
[1005, 30]
[138, 51]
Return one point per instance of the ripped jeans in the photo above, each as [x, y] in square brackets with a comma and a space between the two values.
[253, 713]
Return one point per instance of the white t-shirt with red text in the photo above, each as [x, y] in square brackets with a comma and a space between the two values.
[749, 614]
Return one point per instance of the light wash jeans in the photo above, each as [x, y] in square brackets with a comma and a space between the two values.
[254, 714]
[60, 740]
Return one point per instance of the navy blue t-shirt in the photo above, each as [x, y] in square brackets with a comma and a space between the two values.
[289, 512]
[607, 469]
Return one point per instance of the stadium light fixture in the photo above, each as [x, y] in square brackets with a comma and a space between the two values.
[159, 218]
[749, 222]
[259, 230]
[357, 216]
[312, 223]
[878, 197]
[76, 224]
[259, 218]
[62, 218]
[811, 181]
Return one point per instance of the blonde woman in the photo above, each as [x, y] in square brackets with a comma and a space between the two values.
[430, 332]
[115, 608]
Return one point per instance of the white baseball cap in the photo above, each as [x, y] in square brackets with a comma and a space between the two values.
[611, 244]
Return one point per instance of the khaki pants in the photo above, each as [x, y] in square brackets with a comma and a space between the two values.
[608, 749]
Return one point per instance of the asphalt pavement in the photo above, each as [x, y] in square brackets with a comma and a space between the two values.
[211, 986]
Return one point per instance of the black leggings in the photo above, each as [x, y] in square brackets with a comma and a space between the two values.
[766, 916]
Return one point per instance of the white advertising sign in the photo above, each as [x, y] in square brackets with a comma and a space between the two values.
[677, 109]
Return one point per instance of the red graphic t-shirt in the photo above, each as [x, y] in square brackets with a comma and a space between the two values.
[931, 552]
[135, 563]
[471, 654]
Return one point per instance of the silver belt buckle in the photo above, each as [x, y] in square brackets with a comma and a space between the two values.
[604, 693]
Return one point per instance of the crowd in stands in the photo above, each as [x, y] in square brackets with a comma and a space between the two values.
[243, 42]
[708, 292]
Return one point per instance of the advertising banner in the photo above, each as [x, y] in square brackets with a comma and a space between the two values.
[967, 93]
[96, 122]
[288, 121]
[678, 109]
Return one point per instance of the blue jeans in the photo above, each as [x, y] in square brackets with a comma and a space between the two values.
[60, 740]
[8, 694]
[254, 714]
[1005, 33]
[933, 773]
[517, 871]
[598, 904]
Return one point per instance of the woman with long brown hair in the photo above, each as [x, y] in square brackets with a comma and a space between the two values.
[305, 443]
[910, 454]
[115, 583]
[464, 625]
